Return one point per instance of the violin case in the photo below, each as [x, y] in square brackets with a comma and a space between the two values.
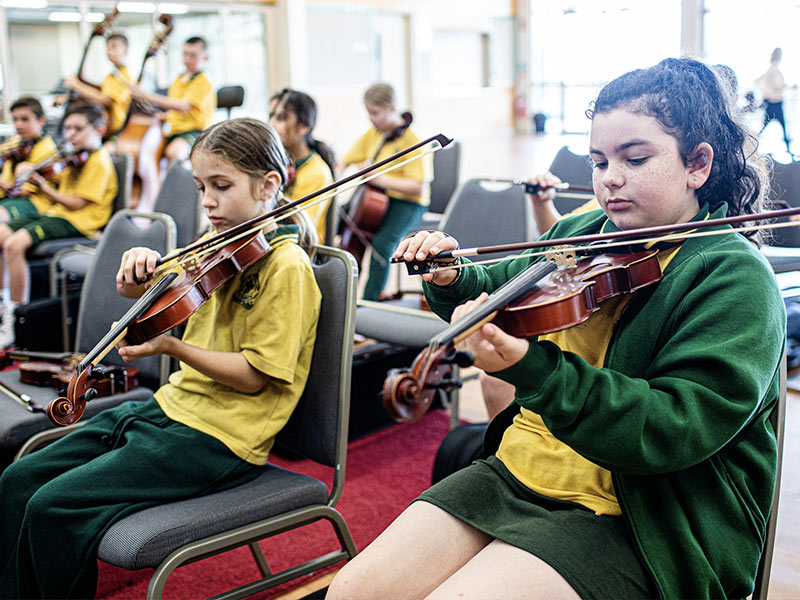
[38, 324]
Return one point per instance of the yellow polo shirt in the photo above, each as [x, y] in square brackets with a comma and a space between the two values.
[417, 170]
[96, 182]
[41, 150]
[312, 174]
[538, 459]
[115, 87]
[268, 313]
[199, 92]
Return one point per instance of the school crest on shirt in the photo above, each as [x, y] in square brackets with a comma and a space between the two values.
[248, 291]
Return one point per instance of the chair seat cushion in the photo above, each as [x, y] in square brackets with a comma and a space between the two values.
[49, 247]
[143, 539]
[76, 263]
[387, 325]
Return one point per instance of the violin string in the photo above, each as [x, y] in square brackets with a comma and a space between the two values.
[600, 245]
[213, 247]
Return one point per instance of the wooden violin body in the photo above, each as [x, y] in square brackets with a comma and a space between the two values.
[58, 375]
[560, 299]
[169, 302]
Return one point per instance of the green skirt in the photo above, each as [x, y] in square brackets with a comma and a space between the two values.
[595, 554]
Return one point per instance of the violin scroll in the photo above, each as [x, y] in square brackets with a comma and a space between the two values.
[68, 409]
[408, 393]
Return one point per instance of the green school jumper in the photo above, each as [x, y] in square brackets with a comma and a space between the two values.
[680, 411]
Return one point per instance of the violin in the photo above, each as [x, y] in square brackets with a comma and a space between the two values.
[52, 166]
[368, 206]
[172, 298]
[110, 379]
[16, 152]
[550, 295]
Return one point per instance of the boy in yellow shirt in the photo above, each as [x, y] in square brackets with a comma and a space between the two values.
[114, 94]
[16, 202]
[81, 206]
[190, 101]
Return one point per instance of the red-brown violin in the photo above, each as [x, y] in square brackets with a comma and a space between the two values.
[542, 299]
[173, 298]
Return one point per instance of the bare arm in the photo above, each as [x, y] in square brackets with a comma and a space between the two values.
[88, 92]
[228, 368]
[165, 102]
[71, 201]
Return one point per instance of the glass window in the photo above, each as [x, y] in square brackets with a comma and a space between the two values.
[578, 45]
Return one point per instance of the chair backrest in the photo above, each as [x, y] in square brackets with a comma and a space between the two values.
[123, 165]
[446, 172]
[100, 304]
[571, 168]
[778, 420]
[481, 216]
[785, 189]
[318, 426]
[229, 97]
[178, 198]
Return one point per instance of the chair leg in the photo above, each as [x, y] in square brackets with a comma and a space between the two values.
[261, 560]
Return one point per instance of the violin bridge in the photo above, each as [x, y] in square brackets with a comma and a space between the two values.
[563, 256]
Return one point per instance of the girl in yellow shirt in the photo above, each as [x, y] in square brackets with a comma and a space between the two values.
[294, 117]
[245, 358]
[407, 187]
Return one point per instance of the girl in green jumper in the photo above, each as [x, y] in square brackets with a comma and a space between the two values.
[637, 459]
[245, 357]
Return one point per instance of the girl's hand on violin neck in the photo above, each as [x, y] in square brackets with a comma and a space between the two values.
[136, 266]
[157, 345]
[493, 349]
[427, 244]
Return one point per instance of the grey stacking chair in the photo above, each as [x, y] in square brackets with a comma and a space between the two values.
[230, 97]
[477, 216]
[446, 174]
[571, 168]
[778, 419]
[178, 197]
[21, 431]
[168, 536]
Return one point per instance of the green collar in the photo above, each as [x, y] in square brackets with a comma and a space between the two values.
[304, 160]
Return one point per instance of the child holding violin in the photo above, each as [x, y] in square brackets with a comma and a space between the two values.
[637, 459]
[245, 358]
[81, 204]
[29, 147]
[294, 117]
[408, 187]
[113, 94]
[190, 101]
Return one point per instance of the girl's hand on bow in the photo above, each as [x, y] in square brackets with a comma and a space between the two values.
[427, 244]
[493, 349]
[136, 266]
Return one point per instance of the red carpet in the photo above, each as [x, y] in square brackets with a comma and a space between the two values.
[385, 471]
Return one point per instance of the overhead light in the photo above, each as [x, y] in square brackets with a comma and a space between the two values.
[23, 3]
[65, 17]
[173, 8]
[137, 7]
[95, 17]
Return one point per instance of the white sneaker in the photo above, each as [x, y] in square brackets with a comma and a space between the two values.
[7, 329]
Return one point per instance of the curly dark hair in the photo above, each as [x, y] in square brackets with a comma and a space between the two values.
[693, 105]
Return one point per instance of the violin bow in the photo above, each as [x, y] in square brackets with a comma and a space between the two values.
[295, 206]
[610, 239]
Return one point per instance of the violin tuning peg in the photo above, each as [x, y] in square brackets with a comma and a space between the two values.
[90, 394]
[462, 358]
[98, 373]
[447, 385]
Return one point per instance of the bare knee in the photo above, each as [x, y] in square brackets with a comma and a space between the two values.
[497, 394]
[15, 245]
